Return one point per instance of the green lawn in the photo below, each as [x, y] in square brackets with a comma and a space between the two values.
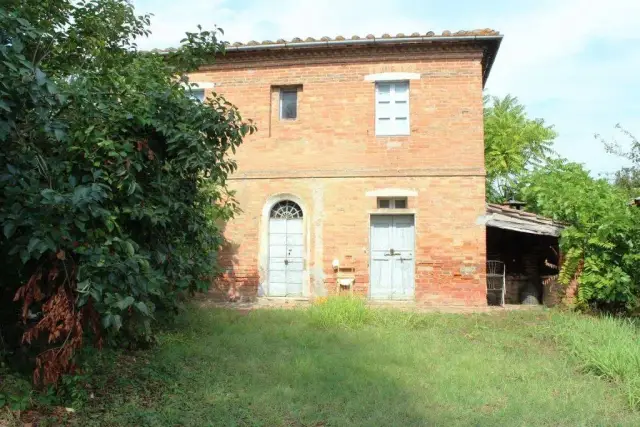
[340, 364]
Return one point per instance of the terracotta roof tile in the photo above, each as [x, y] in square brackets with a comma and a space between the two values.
[402, 38]
[444, 34]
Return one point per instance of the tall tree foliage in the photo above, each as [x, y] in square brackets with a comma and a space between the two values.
[627, 178]
[601, 243]
[513, 144]
[111, 179]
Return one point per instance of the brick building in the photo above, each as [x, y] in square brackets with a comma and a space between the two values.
[367, 167]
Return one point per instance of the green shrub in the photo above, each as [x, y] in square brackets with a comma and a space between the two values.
[601, 243]
[112, 181]
[15, 392]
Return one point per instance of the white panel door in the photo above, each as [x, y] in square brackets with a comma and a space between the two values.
[381, 267]
[286, 249]
[392, 261]
[402, 243]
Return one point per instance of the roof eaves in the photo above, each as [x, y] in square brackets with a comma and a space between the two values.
[373, 40]
[512, 219]
[492, 40]
[489, 37]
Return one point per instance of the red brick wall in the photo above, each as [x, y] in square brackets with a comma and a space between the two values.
[330, 158]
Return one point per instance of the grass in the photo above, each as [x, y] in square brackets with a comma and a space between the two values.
[606, 347]
[342, 364]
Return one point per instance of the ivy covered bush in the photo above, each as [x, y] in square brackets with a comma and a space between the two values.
[112, 180]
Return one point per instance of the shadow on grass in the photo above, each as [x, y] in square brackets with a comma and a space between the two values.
[304, 368]
[265, 368]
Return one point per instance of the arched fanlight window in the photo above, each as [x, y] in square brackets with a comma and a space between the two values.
[286, 209]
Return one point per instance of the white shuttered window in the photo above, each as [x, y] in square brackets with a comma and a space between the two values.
[392, 108]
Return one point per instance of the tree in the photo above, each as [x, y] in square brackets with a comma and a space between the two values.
[111, 179]
[513, 144]
[601, 243]
[627, 178]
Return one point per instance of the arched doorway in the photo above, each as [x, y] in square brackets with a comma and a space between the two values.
[286, 249]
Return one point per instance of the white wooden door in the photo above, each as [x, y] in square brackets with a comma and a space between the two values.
[286, 255]
[392, 260]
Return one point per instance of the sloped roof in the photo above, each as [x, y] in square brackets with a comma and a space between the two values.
[486, 32]
[488, 38]
[506, 218]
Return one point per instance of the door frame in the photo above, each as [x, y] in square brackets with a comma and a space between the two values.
[263, 246]
[394, 212]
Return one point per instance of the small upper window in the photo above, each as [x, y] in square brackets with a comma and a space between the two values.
[392, 108]
[196, 94]
[288, 104]
[392, 203]
[400, 203]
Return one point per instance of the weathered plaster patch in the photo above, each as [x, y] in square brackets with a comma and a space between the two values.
[468, 270]
[394, 144]
[317, 272]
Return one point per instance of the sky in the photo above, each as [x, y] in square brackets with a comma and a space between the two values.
[573, 63]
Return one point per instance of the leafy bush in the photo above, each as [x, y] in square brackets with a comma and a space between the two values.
[112, 180]
[15, 392]
[601, 243]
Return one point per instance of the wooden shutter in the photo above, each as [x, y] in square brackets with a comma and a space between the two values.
[392, 108]
[401, 108]
[384, 109]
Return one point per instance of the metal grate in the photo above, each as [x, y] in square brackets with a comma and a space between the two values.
[286, 210]
[496, 282]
